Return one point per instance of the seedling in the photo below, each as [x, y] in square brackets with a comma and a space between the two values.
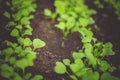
[71, 15]
[20, 55]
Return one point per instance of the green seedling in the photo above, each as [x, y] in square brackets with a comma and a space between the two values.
[15, 33]
[89, 62]
[71, 15]
[20, 55]
[60, 68]
[7, 14]
[37, 43]
[81, 67]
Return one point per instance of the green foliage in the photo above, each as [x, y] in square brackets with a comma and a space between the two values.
[107, 50]
[47, 12]
[20, 55]
[37, 77]
[37, 43]
[87, 35]
[72, 15]
[108, 76]
[15, 33]
[66, 62]
[7, 14]
[88, 62]
[27, 42]
[60, 68]
[25, 21]
[6, 70]
[90, 75]
[87, 65]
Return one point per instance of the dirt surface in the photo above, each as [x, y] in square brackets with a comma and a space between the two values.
[44, 28]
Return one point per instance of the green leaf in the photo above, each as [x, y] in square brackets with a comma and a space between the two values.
[27, 32]
[12, 60]
[27, 42]
[20, 40]
[61, 26]
[25, 12]
[25, 21]
[7, 14]
[19, 27]
[108, 76]
[75, 67]
[91, 76]
[86, 39]
[78, 67]
[66, 61]
[27, 76]
[84, 22]
[11, 44]
[107, 50]
[28, 49]
[9, 51]
[86, 32]
[70, 22]
[47, 12]
[28, 27]
[11, 23]
[18, 49]
[37, 77]
[31, 56]
[88, 48]
[15, 33]
[82, 72]
[88, 52]
[79, 62]
[78, 55]
[63, 17]
[98, 48]
[22, 63]
[112, 69]
[104, 66]
[37, 43]
[73, 77]
[17, 16]
[6, 70]
[17, 77]
[57, 4]
[60, 68]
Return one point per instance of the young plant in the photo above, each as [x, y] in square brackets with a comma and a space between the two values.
[20, 55]
[89, 63]
[72, 15]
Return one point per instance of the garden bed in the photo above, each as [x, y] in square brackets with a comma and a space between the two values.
[44, 28]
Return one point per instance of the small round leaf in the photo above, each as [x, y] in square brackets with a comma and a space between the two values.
[37, 43]
[60, 68]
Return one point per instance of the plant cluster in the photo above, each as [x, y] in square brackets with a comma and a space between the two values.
[71, 15]
[89, 63]
[112, 3]
[20, 54]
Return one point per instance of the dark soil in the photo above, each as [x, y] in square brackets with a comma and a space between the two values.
[44, 28]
